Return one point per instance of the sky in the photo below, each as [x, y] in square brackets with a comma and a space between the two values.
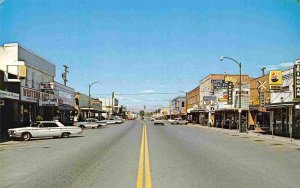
[147, 47]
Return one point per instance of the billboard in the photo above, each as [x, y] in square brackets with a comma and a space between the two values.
[275, 80]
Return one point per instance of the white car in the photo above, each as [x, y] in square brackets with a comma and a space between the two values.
[159, 121]
[91, 123]
[44, 129]
[171, 121]
[180, 121]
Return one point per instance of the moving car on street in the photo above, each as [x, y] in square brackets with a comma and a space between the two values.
[159, 121]
[91, 123]
[180, 121]
[43, 129]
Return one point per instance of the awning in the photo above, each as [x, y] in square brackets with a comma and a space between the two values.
[280, 105]
[66, 108]
[93, 109]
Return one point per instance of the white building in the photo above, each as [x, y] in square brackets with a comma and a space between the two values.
[13, 59]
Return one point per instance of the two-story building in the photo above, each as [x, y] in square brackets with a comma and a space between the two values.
[193, 110]
[16, 60]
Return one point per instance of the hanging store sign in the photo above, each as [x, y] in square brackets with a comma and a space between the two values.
[297, 82]
[222, 99]
[48, 102]
[47, 85]
[275, 80]
[9, 95]
[209, 98]
[219, 84]
[230, 93]
[261, 99]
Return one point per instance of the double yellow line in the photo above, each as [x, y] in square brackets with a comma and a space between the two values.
[144, 161]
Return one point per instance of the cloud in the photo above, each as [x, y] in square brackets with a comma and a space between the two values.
[2, 1]
[147, 91]
[278, 66]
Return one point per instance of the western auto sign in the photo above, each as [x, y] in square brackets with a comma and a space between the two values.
[32, 95]
[297, 81]
[275, 80]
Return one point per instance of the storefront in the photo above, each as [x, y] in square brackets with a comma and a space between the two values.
[64, 107]
[8, 111]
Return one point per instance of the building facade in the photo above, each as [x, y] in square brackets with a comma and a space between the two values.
[193, 100]
[26, 81]
[216, 83]
[179, 106]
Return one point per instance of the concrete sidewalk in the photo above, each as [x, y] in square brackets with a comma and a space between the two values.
[250, 133]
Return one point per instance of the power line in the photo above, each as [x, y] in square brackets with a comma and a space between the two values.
[126, 94]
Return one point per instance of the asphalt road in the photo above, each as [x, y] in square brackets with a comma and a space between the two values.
[179, 156]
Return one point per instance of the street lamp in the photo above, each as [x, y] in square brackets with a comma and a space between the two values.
[240, 89]
[186, 102]
[90, 85]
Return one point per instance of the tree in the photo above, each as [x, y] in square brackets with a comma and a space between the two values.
[142, 113]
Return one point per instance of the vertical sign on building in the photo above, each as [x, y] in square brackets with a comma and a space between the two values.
[230, 92]
[297, 82]
[275, 80]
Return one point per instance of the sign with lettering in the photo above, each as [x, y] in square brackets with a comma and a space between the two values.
[230, 93]
[32, 95]
[297, 82]
[261, 99]
[219, 84]
[9, 95]
[209, 98]
[275, 80]
[47, 85]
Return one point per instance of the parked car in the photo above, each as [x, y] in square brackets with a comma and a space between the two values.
[91, 123]
[113, 120]
[171, 121]
[43, 129]
[159, 121]
[152, 119]
[180, 121]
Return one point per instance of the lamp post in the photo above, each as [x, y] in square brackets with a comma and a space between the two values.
[240, 88]
[90, 85]
[186, 102]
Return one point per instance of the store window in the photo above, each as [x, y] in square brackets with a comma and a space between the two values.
[296, 121]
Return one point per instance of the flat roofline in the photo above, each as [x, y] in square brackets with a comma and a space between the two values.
[30, 51]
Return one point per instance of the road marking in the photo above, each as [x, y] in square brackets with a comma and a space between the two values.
[144, 160]
[140, 176]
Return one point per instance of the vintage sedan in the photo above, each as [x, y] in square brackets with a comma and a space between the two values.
[43, 129]
[90, 123]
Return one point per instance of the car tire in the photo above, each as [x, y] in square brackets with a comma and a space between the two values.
[99, 126]
[26, 136]
[82, 126]
[65, 135]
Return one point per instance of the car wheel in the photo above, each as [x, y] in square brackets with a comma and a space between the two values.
[82, 126]
[65, 135]
[26, 136]
[99, 126]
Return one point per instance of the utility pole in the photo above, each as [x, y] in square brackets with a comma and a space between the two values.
[64, 75]
[263, 70]
[112, 103]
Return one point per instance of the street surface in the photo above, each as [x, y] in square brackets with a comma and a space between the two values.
[135, 154]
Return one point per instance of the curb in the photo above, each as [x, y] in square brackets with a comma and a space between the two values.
[251, 134]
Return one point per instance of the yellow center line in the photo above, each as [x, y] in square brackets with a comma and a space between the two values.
[147, 162]
[144, 160]
[140, 176]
